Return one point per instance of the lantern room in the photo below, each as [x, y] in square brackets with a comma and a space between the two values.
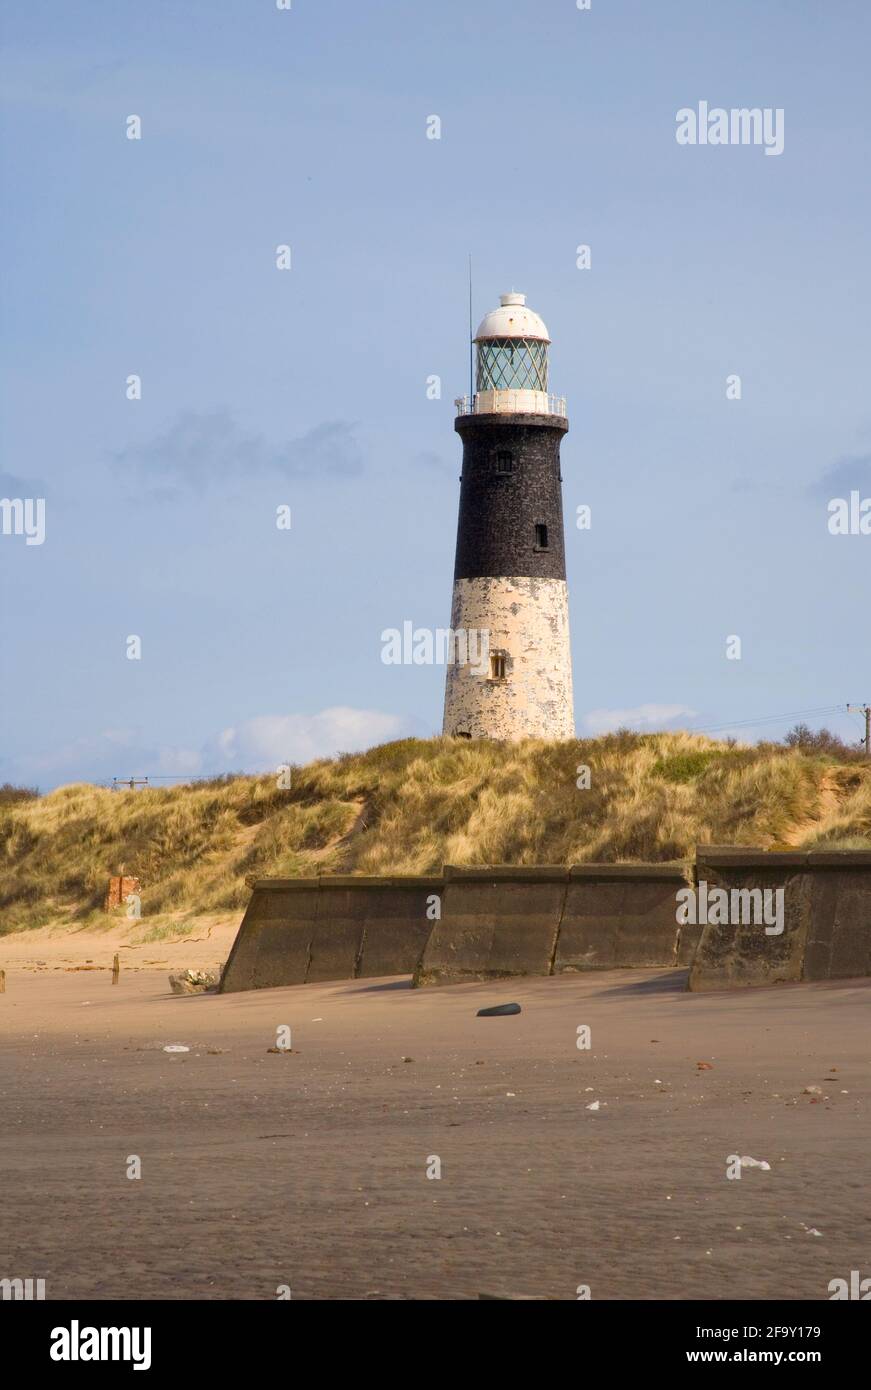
[511, 363]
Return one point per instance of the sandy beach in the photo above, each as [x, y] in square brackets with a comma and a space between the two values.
[138, 946]
[309, 1169]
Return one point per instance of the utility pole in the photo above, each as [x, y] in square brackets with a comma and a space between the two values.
[866, 710]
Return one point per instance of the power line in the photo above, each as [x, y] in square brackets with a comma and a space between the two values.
[146, 781]
[768, 718]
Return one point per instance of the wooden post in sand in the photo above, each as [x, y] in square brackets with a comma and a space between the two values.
[116, 969]
[2, 981]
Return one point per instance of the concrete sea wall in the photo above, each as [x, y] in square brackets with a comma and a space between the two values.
[497, 922]
[623, 915]
[480, 923]
[825, 917]
[330, 928]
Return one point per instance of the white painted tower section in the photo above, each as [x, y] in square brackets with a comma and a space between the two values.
[528, 623]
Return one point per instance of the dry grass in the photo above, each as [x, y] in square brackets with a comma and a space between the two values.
[429, 802]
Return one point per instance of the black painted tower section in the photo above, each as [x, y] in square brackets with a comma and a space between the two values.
[511, 487]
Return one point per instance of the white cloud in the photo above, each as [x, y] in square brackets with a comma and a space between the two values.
[605, 721]
[255, 745]
[271, 739]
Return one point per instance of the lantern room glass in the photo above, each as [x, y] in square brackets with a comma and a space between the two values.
[512, 364]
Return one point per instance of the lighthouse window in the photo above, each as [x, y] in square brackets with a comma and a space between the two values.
[541, 536]
[497, 666]
[504, 461]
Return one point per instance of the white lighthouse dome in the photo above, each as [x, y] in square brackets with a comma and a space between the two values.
[513, 319]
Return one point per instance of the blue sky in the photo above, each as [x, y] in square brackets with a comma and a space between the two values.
[307, 387]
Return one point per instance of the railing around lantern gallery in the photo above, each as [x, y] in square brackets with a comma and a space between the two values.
[512, 401]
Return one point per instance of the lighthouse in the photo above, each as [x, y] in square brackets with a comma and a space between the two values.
[510, 595]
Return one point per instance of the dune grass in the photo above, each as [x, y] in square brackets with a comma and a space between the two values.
[426, 802]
